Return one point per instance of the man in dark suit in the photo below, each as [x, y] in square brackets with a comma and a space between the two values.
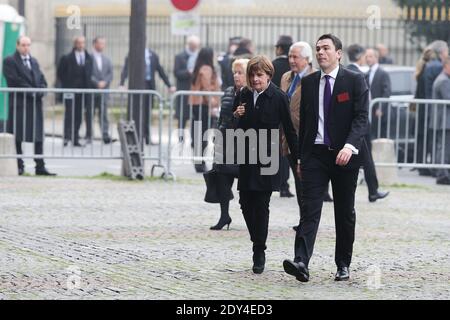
[75, 72]
[441, 123]
[333, 121]
[281, 65]
[384, 54]
[183, 70]
[225, 62]
[152, 66]
[356, 55]
[380, 87]
[21, 70]
[102, 76]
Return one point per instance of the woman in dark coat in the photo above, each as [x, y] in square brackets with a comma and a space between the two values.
[226, 173]
[262, 106]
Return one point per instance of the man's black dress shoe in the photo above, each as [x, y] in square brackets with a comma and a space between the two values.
[21, 171]
[77, 144]
[443, 180]
[259, 261]
[342, 274]
[44, 172]
[296, 269]
[286, 194]
[378, 195]
[109, 140]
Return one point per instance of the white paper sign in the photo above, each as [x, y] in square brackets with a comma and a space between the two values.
[185, 23]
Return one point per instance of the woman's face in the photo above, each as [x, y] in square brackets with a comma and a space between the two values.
[259, 80]
[239, 77]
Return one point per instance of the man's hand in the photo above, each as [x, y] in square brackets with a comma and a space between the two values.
[172, 89]
[240, 111]
[299, 171]
[102, 85]
[378, 113]
[344, 157]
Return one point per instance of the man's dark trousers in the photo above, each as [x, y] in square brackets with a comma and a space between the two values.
[317, 171]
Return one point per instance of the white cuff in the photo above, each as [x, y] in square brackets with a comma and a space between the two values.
[351, 147]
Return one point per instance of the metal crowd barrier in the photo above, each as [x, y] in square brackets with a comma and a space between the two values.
[63, 111]
[206, 116]
[420, 129]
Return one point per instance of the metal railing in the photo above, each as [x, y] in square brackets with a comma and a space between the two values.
[202, 116]
[418, 127]
[63, 113]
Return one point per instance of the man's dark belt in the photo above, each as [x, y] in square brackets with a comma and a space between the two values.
[323, 147]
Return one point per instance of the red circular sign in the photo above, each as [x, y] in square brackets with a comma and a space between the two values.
[185, 5]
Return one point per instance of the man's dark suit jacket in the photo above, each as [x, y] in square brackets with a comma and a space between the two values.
[72, 75]
[181, 72]
[381, 84]
[281, 66]
[25, 117]
[155, 66]
[270, 113]
[349, 113]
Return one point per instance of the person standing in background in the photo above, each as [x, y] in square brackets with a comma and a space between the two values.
[226, 61]
[356, 55]
[441, 123]
[183, 71]
[384, 54]
[281, 66]
[26, 115]
[152, 65]
[75, 72]
[380, 87]
[300, 61]
[102, 76]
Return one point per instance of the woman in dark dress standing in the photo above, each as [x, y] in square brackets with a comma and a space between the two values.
[226, 173]
[261, 106]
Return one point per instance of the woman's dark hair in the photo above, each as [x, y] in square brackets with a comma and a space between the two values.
[205, 57]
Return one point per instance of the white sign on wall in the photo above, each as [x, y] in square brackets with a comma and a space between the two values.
[185, 23]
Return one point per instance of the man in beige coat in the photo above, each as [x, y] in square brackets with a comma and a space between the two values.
[300, 60]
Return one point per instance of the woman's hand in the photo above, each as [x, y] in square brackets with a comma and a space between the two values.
[240, 111]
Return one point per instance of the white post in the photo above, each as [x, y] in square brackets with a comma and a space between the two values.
[8, 167]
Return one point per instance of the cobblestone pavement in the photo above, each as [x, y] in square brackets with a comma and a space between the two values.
[75, 238]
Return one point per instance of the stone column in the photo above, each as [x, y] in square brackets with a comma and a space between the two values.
[40, 27]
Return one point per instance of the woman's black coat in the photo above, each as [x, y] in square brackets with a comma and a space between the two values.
[270, 112]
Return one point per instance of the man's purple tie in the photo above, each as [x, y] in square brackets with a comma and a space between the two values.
[326, 111]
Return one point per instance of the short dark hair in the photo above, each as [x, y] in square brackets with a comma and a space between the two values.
[355, 52]
[336, 41]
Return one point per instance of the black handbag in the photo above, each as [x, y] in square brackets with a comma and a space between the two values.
[212, 189]
[211, 195]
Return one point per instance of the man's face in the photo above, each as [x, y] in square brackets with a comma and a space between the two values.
[24, 46]
[371, 57]
[447, 68]
[326, 54]
[444, 54]
[100, 45]
[80, 44]
[296, 61]
[193, 45]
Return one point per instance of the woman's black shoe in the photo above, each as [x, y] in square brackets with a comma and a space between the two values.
[222, 224]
